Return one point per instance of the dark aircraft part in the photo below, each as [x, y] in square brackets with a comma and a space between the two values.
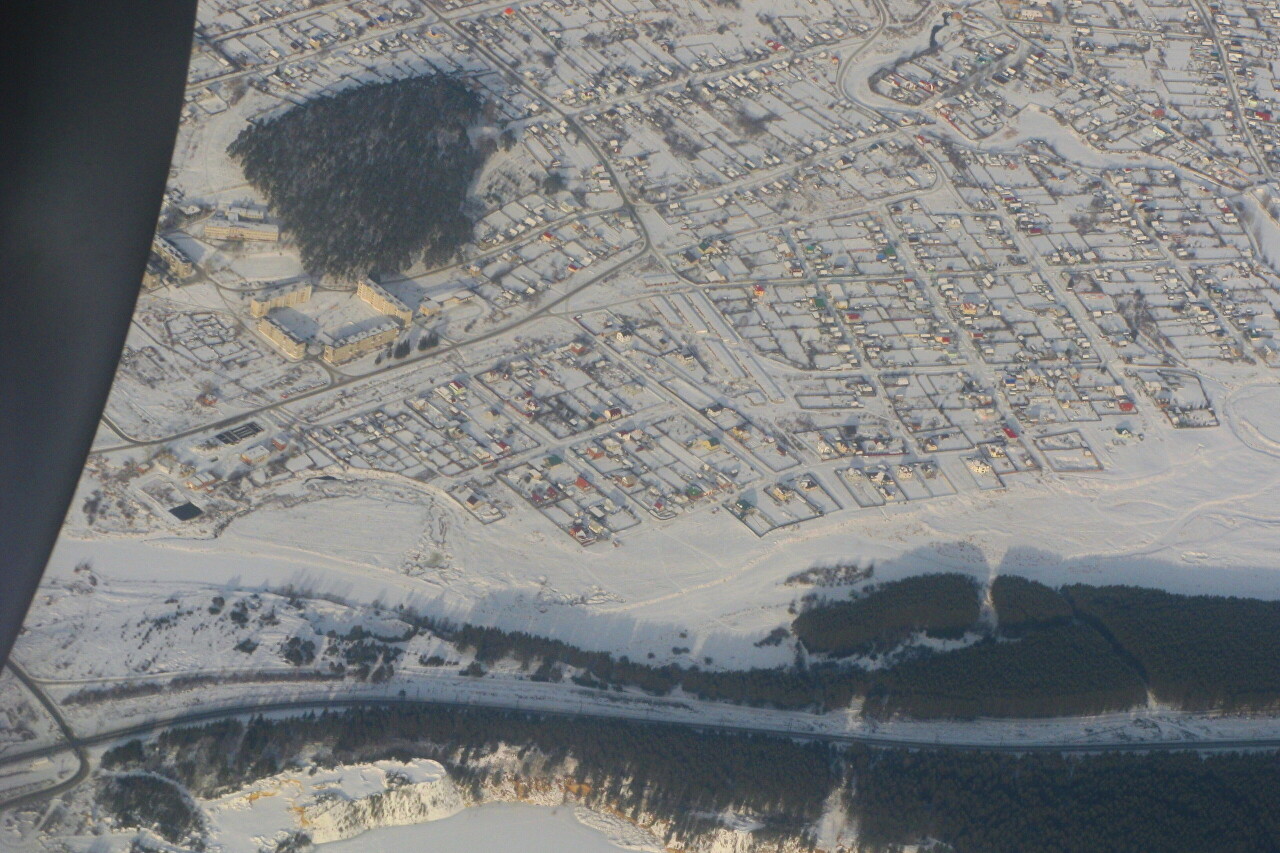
[93, 92]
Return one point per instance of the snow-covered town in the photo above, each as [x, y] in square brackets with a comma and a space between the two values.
[763, 301]
[810, 267]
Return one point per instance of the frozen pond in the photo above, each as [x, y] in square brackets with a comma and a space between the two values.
[495, 828]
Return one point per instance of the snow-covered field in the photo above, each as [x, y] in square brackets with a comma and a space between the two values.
[497, 828]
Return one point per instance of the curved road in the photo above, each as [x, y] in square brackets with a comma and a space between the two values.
[68, 736]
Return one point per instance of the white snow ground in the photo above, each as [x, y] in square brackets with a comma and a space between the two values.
[494, 828]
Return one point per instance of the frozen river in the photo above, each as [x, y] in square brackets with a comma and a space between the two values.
[495, 828]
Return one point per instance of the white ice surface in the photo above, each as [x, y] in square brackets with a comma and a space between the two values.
[493, 828]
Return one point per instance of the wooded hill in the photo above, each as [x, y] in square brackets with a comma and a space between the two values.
[372, 178]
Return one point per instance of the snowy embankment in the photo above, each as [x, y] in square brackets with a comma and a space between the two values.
[344, 802]
[330, 805]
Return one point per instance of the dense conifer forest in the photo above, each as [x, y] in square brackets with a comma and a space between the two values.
[1024, 605]
[996, 803]
[372, 178]
[1197, 652]
[967, 802]
[941, 605]
[1062, 669]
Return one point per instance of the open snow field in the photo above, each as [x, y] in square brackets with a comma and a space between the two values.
[493, 828]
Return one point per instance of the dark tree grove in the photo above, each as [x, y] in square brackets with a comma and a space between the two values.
[150, 802]
[1197, 652]
[372, 178]
[996, 803]
[1063, 669]
[1078, 650]
[941, 605]
[1025, 605]
[966, 802]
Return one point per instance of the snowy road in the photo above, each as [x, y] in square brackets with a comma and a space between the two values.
[459, 692]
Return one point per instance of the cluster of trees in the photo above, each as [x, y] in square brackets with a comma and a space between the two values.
[1199, 652]
[967, 802]
[1061, 670]
[298, 651]
[940, 605]
[150, 802]
[1024, 605]
[1078, 650]
[824, 687]
[1042, 661]
[366, 660]
[138, 689]
[372, 178]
